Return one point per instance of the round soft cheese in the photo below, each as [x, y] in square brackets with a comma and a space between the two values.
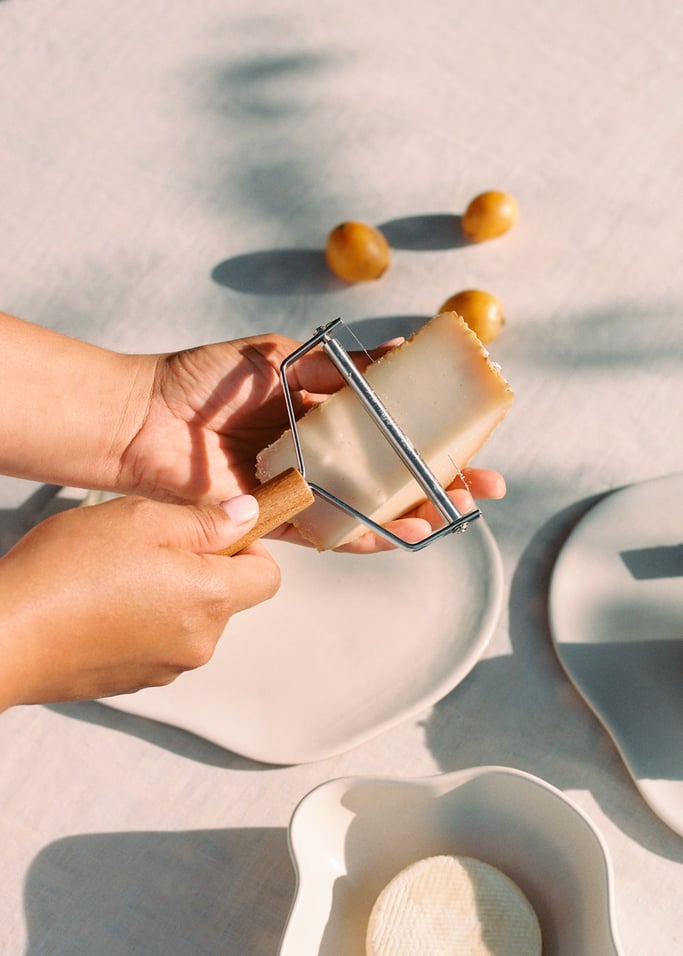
[452, 906]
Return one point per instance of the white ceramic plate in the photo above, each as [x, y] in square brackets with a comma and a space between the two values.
[616, 612]
[349, 837]
[350, 646]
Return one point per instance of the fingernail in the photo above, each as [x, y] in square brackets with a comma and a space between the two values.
[500, 489]
[242, 509]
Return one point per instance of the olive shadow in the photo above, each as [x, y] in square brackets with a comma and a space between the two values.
[433, 232]
[160, 893]
[376, 330]
[301, 271]
[278, 272]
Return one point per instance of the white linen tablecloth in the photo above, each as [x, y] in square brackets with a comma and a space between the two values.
[168, 175]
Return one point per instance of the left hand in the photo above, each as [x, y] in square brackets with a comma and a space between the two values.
[213, 408]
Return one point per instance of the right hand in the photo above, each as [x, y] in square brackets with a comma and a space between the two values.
[110, 598]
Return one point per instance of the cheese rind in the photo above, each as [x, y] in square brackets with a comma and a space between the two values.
[445, 394]
[452, 906]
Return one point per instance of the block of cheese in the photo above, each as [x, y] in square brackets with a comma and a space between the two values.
[452, 906]
[443, 391]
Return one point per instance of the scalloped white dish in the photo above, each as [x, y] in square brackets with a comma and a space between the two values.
[616, 614]
[349, 646]
[349, 837]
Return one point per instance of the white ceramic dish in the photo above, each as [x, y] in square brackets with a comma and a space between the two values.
[616, 613]
[348, 647]
[349, 837]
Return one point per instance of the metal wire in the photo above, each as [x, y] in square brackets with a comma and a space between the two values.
[392, 432]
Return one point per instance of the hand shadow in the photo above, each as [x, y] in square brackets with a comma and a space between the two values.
[160, 893]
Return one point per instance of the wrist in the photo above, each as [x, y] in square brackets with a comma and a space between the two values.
[13, 652]
[68, 408]
[130, 404]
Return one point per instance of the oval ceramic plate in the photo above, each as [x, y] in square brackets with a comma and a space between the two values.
[348, 647]
[616, 613]
[350, 837]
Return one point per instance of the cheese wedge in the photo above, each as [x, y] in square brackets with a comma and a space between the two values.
[452, 906]
[445, 394]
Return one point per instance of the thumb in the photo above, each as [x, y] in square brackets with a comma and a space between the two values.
[214, 527]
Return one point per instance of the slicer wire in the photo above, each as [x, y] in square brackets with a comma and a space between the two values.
[392, 432]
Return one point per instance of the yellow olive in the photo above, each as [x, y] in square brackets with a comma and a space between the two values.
[489, 215]
[482, 311]
[357, 252]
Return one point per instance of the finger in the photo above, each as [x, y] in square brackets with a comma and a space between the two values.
[206, 529]
[314, 372]
[411, 530]
[478, 482]
[249, 578]
[426, 518]
[482, 483]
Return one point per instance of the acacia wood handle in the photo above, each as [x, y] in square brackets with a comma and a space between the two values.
[279, 500]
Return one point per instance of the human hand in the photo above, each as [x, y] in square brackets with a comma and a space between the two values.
[210, 410]
[107, 599]
[213, 408]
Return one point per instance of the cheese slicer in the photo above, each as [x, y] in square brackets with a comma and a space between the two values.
[289, 493]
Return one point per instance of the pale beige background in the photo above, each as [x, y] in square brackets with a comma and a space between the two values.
[168, 174]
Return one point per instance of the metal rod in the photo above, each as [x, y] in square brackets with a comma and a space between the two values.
[459, 525]
[389, 427]
[317, 336]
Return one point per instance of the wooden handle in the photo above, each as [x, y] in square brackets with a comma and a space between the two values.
[279, 500]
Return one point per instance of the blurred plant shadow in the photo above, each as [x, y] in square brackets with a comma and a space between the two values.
[256, 87]
[621, 335]
[160, 893]
[275, 170]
